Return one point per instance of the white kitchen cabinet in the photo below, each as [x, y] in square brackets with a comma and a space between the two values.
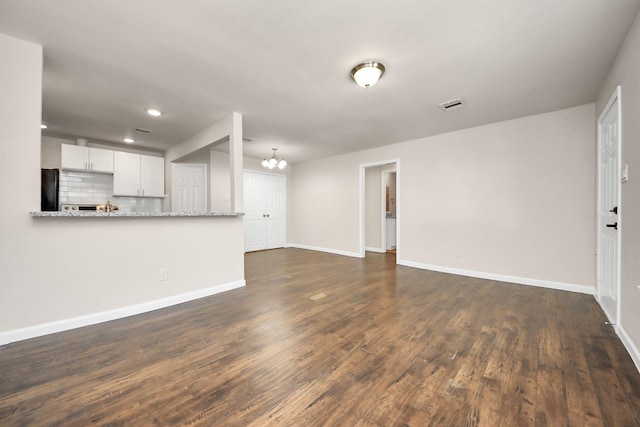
[126, 174]
[152, 176]
[138, 175]
[77, 157]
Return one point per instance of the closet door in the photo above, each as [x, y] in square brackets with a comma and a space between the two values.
[264, 219]
[254, 219]
[274, 209]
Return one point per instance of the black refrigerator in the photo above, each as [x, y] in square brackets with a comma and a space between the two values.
[50, 190]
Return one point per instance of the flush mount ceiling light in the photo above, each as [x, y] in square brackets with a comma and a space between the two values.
[367, 74]
[274, 161]
[128, 140]
[43, 126]
[153, 112]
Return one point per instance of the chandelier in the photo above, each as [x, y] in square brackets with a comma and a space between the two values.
[274, 161]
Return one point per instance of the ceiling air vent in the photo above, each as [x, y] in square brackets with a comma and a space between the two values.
[140, 130]
[450, 105]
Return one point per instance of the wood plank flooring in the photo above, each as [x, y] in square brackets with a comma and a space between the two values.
[322, 340]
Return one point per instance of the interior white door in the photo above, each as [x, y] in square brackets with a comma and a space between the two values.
[189, 188]
[264, 218]
[254, 215]
[608, 208]
[274, 209]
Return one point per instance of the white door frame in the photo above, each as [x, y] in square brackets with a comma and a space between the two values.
[615, 97]
[362, 209]
[174, 167]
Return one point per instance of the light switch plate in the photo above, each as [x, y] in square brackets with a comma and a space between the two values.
[624, 176]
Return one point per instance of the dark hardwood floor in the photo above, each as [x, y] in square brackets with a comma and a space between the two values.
[322, 340]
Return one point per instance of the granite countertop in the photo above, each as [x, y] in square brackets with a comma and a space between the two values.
[117, 214]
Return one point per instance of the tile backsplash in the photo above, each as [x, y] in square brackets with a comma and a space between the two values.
[97, 188]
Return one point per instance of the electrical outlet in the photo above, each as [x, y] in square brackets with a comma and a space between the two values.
[164, 274]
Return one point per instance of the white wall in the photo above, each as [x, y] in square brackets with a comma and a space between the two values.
[626, 73]
[514, 199]
[325, 204]
[220, 181]
[57, 269]
[51, 152]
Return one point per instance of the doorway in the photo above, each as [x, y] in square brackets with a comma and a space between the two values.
[608, 209]
[376, 221]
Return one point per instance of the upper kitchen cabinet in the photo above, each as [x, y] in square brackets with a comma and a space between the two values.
[77, 157]
[138, 175]
[152, 176]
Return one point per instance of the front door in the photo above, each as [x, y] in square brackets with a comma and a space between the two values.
[609, 208]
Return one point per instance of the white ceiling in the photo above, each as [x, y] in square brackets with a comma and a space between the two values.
[285, 66]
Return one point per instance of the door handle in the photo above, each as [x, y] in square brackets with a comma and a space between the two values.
[614, 210]
[614, 225]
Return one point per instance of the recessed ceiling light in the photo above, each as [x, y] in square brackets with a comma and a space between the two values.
[128, 140]
[153, 112]
[43, 126]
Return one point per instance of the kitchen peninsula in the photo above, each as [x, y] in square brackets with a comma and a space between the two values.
[93, 214]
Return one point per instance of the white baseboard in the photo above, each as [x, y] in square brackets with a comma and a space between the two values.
[331, 251]
[630, 346]
[378, 250]
[503, 278]
[118, 313]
